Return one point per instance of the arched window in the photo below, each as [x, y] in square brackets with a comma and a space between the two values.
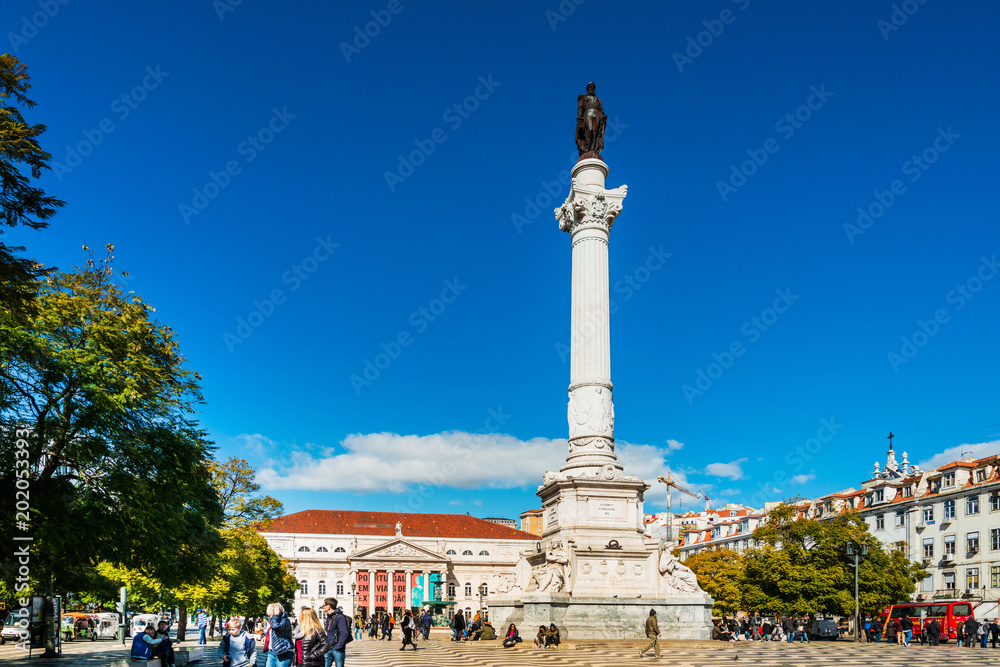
[340, 550]
[340, 589]
[321, 550]
[321, 587]
[302, 549]
[451, 589]
[464, 553]
[450, 552]
[484, 590]
[468, 590]
[484, 553]
[304, 587]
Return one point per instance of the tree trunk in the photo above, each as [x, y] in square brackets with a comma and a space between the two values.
[211, 628]
[182, 621]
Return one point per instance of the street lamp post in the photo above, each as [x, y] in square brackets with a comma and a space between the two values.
[354, 588]
[859, 552]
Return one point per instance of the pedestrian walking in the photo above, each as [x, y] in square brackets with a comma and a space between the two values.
[425, 623]
[994, 632]
[407, 627]
[458, 626]
[653, 634]
[906, 625]
[202, 627]
[971, 631]
[934, 632]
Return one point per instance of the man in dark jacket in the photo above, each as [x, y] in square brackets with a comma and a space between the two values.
[971, 630]
[934, 632]
[789, 627]
[994, 632]
[425, 623]
[458, 624]
[338, 632]
[906, 625]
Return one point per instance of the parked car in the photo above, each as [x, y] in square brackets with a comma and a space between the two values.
[824, 629]
[12, 630]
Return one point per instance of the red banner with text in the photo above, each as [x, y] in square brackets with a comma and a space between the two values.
[398, 590]
[381, 590]
[361, 598]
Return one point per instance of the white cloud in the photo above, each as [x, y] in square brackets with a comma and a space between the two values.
[802, 479]
[393, 463]
[732, 470]
[455, 502]
[389, 462]
[729, 492]
[978, 450]
[477, 502]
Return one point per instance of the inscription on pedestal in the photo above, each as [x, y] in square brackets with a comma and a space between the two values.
[552, 517]
[599, 509]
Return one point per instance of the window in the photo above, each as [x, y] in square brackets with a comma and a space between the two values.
[468, 590]
[466, 553]
[732, 512]
[484, 590]
[880, 522]
[928, 514]
[949, 479]
[484, 553]
[927, 585]
[972, 505]
[322, 550]
[995, 539]
[339, 550]
[972, 578]
[929, 547]
[980, 475]
[450, 552]
[949, 509]
[746, 544]
[949, 545]
[303, 549]
[451, 589]
[879, 495]
[900, 519]
[340, 589]
[995, 502]
[907, 491]
[949, 581]
[995, 576]
[972, 541]
[321, 587]
[304, 587]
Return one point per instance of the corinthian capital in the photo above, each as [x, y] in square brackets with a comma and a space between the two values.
[589, 205]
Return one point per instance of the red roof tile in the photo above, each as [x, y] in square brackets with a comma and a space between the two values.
[349, 522]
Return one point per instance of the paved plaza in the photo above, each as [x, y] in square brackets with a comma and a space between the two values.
[437, 652]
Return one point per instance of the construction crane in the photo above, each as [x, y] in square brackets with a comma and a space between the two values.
[669, 481]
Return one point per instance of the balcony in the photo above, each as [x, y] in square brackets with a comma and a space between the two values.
[949, 594]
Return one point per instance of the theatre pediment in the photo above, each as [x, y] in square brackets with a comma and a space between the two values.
[398, 550]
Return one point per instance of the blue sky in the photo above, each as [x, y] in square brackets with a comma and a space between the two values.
[296, 198]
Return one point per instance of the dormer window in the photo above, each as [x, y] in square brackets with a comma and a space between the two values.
[949, 479]
[303, 549]
[879, 495]
[981, 475]
[732, 512]
[907, 491]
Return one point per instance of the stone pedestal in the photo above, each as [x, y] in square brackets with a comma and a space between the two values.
[593, 573]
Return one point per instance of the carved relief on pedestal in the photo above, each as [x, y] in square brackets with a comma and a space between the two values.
[591, 412]
[586, 567]
[620, 568]
[603, 569]
[550, 576]
[679, 579]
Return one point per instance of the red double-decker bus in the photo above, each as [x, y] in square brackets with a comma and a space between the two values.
[947, 614]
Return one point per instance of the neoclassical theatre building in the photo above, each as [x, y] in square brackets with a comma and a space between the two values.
[387, 561]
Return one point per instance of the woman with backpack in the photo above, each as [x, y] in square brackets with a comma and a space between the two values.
[407, 625]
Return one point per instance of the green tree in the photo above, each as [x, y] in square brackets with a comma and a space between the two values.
[21, 160]
[720, 574]
[800, 566]
[234, 481]
[116, 470]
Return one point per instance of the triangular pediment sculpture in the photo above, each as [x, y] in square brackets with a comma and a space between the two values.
[398, 550]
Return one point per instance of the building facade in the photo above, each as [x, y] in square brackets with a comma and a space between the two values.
[385, 562]
[531, 521]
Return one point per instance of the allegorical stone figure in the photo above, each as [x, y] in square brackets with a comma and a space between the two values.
[590, 122]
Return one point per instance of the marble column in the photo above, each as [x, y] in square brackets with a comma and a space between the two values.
[388, 599]
[409, 591]
[587, 215]
[426, 586]
[371, 592]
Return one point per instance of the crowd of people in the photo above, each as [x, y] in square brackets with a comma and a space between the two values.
[762, 628]
[900, 631]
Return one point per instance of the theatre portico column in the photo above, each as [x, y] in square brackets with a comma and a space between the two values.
[408, 603]
[371, 592]
[427, 585]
